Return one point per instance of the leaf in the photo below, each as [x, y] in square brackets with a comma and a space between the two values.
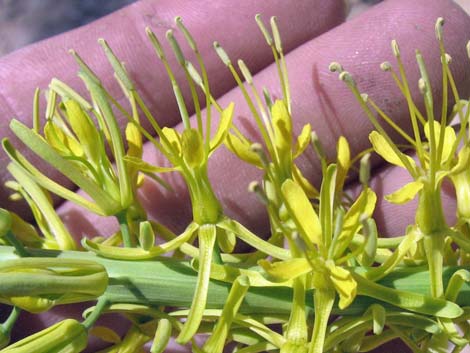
[302, 212]
[405, 194]
[385, 150]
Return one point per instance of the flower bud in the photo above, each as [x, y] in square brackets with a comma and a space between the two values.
[66, 336]
[37, 284]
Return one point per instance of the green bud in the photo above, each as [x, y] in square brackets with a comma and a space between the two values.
[66, 336]
[37, 284]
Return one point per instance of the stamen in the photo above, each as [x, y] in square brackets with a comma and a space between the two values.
[155, 42]
[386, 66]
[85, 67]
[256, 188]
[36, 118]
[175, 47]
[258, 149]
[335, 67]
[319, 150]
[364, 170]
[395, 49]
[438, 28]
[263, 30]
[222, 54]
[189, 38]
[245, 72]
[276, 35]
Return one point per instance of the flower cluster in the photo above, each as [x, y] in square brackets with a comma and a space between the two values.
[324, 280]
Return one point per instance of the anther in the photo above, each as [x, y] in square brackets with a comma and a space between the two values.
[335, 67]
[222, 54]
[438, 28]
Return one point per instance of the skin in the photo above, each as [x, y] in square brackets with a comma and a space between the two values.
[317, 96]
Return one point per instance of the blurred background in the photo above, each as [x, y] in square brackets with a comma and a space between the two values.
[26, 21]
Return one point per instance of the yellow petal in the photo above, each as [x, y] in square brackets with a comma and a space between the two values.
[105, 334]
[299, 178]
[62, 142]
[174, 140]
[343, 161]
[282, 271]
[345, 285]
[134, 140]
[302, 211]
[363, 206]
[405, 193]
[282, 125]
[383, 148]
[241, 148]
[303, 140]
[83, 128]
[224, 126]
[192, 147]
[449, 138]
[463, 160]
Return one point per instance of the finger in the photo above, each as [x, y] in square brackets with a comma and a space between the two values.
[33, 66]
[319, 98]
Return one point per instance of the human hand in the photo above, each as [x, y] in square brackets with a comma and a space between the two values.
[316, 93]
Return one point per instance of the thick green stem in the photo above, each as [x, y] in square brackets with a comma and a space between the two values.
[170, 282]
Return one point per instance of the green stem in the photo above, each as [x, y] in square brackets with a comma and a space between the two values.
[434, 245]
[125, 232]
[101, 305]
[323, 299]
[10, 321]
